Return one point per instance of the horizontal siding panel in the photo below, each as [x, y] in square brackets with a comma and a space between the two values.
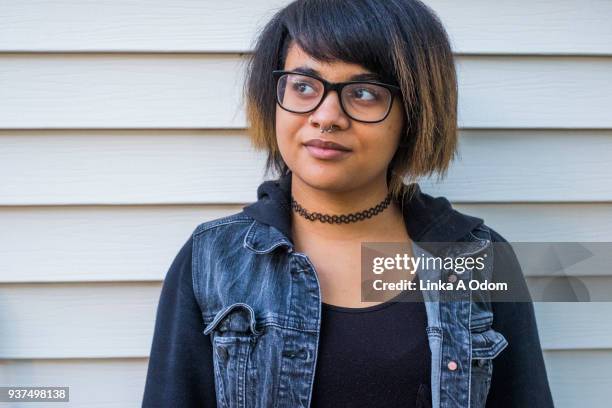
[138, 243]
[530, 166]
[475, 26]
[203, 91]
[140, 25]
[85, 320]
[575, 325]
[546, 222]
[90, 320]
[120, 91]
[577, 378]
[117, 243]
[94, 383]
[527, 27]
[128, 168]
[531, 92]
[174, 167]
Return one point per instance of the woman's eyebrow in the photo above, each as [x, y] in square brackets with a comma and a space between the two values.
[364, 76]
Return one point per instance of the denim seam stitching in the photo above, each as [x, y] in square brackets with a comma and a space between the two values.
[232, 219]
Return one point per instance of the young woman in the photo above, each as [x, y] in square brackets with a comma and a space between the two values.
[354, 101]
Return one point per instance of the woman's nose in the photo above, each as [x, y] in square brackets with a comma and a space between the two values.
[329, 112]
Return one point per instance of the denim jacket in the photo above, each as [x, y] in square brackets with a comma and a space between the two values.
[260, 305]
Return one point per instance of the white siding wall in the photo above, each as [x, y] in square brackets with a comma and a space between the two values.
[118, 119]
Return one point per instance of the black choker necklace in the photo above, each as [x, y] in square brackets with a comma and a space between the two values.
[343, 218]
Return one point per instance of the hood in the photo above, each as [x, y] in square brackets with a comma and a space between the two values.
[427, 218]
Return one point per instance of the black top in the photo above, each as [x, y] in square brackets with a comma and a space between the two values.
[374, 356]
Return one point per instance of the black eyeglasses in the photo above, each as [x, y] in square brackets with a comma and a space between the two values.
[363, 101]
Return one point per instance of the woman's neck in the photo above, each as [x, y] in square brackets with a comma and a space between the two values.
[386, 226]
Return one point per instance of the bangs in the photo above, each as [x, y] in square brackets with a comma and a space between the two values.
[349, 31]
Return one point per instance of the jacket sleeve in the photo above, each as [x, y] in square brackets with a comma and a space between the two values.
[180, 371]
[519, 375]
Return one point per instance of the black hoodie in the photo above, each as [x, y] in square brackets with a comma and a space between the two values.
[180, 371]
[428, 219]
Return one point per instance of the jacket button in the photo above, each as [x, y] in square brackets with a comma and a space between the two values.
[223, 353]
[452, 278]
[452, 365]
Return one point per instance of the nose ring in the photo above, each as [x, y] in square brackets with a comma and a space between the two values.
[328, 130]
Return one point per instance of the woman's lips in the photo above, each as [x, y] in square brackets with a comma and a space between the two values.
[325, 154]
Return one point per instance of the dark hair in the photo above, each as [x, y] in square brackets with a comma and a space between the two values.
[403, 41]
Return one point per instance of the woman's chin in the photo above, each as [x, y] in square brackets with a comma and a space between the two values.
[323, 178]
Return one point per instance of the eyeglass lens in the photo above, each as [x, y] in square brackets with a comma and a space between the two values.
[361, 101]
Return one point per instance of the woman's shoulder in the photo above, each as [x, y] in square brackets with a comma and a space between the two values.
[234, 220]
[222, 235]
[182, 262]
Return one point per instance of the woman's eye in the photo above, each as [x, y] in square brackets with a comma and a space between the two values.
[365, 94]
[303, 88]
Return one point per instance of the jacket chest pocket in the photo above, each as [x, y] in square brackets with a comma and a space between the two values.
[233, 334]
[486, 345]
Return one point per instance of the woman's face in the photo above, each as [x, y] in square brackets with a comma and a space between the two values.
[371, 145]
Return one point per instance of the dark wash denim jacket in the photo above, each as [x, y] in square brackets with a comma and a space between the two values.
[260, 303]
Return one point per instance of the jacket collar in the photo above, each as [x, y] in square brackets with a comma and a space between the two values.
[427, 218]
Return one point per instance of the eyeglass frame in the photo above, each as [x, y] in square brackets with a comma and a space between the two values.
[335, 86]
